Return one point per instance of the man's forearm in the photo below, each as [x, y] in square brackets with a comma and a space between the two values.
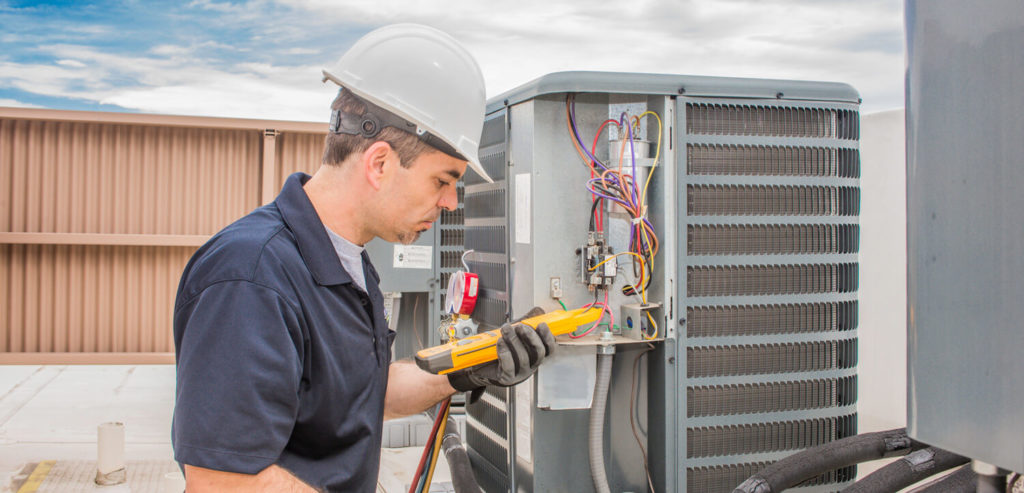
[271, 479]
[412, 390]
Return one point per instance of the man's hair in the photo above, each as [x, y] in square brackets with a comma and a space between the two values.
[338, 147]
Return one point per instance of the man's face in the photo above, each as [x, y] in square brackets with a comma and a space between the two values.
[412, 197]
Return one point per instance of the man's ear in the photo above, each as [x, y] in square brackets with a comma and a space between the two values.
[374, 159]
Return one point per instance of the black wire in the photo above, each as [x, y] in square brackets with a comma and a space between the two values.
[593, 213]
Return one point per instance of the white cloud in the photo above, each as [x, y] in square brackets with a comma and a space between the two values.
[169, 50]
[176, 86]
[10, 103]
[522, 40]
[273, 73]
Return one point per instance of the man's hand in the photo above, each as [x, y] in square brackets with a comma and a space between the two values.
[520, 351]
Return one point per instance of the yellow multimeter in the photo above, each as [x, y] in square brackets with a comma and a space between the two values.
[482, 348]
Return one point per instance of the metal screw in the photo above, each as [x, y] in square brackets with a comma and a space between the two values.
[671, 360]
[682, 90]
[778, 95]
[682, 321]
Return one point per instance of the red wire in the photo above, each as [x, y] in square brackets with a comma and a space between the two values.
[593, 150]
[426, 449]
[604, 309]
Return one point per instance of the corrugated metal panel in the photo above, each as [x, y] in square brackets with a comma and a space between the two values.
[67, 298]
[298, 152]
[105, 178]
[99, 214]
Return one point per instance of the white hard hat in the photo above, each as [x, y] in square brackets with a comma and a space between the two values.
[423, 76]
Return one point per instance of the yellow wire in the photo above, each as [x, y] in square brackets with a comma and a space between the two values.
[643, 195]
[616, 255]
[657, 154]
[643, 264]
[437, 448]
[653, 324]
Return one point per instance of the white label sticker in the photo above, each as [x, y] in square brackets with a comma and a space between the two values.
[524, 420]
[523, 208]
[413, 257]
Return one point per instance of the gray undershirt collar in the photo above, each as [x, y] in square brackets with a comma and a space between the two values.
[351, 258]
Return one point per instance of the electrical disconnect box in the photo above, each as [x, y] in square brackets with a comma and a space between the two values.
[714, 223]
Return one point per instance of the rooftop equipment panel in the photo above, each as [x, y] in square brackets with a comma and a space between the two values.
[965, 228]
[755, 201]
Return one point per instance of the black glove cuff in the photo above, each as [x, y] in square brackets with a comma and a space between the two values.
[461, 382]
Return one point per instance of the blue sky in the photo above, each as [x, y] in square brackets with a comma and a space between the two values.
[262, 58]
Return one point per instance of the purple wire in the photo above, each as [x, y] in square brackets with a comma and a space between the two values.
[606, 197]
[576, 134]
[624, 120]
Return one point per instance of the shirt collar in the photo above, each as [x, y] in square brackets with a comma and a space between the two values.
[310, 234]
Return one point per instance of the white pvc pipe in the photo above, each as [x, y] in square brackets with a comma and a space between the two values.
[110, 466]
[174, 482]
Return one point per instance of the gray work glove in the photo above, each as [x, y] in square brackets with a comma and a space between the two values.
[520, 351]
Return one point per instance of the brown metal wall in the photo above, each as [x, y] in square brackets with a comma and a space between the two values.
[100, 213]
[298, 152]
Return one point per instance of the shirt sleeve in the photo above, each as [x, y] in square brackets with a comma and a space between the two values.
[238, 377]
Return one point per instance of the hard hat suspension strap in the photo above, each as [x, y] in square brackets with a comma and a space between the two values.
[375, 118]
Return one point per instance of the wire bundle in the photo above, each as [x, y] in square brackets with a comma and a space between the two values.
[428, 461]
[617, 184]
[604, 309]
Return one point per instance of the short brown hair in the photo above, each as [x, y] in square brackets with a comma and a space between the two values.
[338, 146]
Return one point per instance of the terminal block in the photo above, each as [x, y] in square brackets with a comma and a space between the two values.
[640, 321]
[598, 267]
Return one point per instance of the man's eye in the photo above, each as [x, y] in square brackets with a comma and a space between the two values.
[441, 183]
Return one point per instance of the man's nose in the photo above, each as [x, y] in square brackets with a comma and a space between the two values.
[449, 199]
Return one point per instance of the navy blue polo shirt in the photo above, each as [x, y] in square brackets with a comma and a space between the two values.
[281, 358]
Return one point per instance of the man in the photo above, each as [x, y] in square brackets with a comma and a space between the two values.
[284, 374]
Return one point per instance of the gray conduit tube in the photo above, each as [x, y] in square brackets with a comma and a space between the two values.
[463, 480]
[962, 480]
[605, 354]
[805, 465]
[906, 471]
[991, 479]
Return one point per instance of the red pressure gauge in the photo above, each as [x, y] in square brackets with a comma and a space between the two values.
[463, 288]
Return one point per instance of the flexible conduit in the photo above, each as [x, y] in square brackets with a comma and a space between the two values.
[604, 378]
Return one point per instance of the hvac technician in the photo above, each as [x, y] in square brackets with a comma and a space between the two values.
[284, 371]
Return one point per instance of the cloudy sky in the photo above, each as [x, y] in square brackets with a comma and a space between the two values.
[262, 58]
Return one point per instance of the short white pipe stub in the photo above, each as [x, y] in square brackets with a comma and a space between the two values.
[110, 467]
